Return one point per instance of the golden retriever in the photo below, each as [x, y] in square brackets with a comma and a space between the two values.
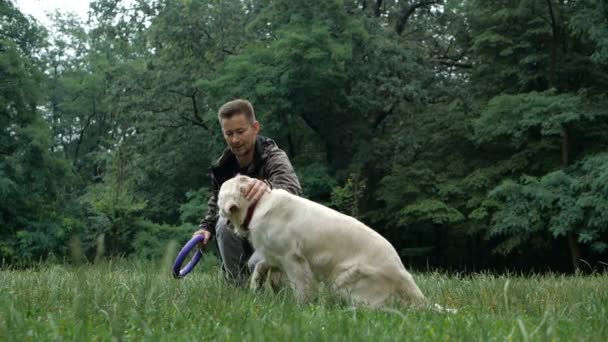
[310, 242]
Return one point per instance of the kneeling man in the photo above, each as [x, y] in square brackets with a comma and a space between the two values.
[250, 154]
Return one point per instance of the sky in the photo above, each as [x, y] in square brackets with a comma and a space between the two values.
[39, 8]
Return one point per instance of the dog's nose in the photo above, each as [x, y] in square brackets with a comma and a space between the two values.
[233, 208]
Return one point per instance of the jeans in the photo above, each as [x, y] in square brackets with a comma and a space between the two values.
[237, 254]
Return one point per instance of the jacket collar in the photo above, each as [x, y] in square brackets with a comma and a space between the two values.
[228, 159]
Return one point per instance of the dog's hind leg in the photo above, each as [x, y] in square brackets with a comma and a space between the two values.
[274, 279]
[356, 286]
[300, 276]
[370, 292]
[410, 292]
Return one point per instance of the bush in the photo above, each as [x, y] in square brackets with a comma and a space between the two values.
[151, 239]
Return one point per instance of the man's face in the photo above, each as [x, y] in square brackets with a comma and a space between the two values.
[240, 134]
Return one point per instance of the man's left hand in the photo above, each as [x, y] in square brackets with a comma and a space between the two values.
[255, 189]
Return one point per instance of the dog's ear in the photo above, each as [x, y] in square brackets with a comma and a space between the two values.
[233, 213]
[242, 182]
[227, 210]
[233, 209]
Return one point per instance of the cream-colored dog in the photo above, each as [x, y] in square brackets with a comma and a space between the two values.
[310, 242]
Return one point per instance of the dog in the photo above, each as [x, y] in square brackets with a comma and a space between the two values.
[310, 242]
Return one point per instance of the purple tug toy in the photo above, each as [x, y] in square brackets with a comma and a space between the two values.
[177, 273]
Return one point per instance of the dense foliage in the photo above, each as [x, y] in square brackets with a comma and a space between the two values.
[470, 133]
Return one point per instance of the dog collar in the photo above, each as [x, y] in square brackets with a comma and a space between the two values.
[249, 214]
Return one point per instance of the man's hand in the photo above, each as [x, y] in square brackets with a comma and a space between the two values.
[206, 234]
[255, 189]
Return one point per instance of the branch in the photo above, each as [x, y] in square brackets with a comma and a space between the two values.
[453, 63]
[208, 35]
[81, 133]
[196, 119]
[411, 32]
[407, 12]
[447, 49]
[381, 116]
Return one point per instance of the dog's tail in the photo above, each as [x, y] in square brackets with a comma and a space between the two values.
[439, 308]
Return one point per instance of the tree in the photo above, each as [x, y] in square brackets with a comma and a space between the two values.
[33, 180]
[532, 61]
[563, 203]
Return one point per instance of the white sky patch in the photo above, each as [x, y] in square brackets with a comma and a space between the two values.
[39, 8]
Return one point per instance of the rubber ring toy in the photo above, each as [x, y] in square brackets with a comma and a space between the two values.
[179, 272]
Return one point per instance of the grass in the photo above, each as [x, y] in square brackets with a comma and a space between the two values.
[130, 300]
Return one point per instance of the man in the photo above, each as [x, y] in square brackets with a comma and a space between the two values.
[252, 155]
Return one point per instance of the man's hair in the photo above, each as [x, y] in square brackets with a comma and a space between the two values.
[234, 107]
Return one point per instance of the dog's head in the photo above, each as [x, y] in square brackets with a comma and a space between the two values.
[233, 205]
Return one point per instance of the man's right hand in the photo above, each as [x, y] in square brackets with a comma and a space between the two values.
[207, 236]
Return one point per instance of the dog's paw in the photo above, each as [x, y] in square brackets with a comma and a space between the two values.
[254, 283]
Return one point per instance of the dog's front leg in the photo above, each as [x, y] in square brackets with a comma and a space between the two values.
[300, 276]
[274, 279]
[257, 277]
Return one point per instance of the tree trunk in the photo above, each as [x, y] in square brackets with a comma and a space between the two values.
[378, 8]
[554, 46]
[565, 146]
[573, 245]
[575, 251]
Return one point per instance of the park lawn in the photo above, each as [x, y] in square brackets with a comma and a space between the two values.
[132, 300]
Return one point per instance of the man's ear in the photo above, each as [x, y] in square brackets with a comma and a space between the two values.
[256, 127]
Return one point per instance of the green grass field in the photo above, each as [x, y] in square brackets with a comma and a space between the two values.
[125, 300]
